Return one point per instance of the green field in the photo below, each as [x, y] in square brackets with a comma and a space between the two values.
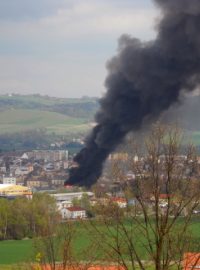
[17, 120]
[17, 251]
[19, 113]
[12, 252]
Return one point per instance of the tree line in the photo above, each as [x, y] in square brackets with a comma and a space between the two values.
[22, 217]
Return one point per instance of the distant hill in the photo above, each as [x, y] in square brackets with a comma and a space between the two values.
[79, 108]
[19, 113]
[34, 121]
[19, 120]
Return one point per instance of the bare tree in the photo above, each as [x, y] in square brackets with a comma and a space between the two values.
[166, 190]
[55, 249]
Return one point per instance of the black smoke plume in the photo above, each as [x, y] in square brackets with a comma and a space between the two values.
[144, 79]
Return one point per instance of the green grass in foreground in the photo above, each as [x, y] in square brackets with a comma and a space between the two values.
[17, 251]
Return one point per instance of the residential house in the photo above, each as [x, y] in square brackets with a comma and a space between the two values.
[63, 204]
[163, 199]
[121, 202]
[37, 182]
[57, 182]
[74, 212]
[22, 170]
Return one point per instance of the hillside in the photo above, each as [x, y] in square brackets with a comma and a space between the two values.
[35, 121]
[19, 113]
[79, 108]
[18, 120]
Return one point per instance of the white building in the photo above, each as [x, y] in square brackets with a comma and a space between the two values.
[49, 155]
[22, 170]
[9, 180]
[63, 204]
[59, 197]
[73, 212]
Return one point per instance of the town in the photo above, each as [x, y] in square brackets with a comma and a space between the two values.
[47, 171]
[99, 135]
[136, 189]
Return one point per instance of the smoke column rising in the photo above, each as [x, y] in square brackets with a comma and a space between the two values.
[144, 80]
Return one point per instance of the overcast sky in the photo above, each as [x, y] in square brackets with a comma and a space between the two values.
[60, 47]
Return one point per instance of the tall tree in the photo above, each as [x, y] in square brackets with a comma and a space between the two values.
[4, 218]
[166, 190]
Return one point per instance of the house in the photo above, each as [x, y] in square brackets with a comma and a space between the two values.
[74, 212]
[121, 202]
[24, 156]
[191, 261]
[93, 202]
[2, 168]
[163, 199]
[22, 170]
[37, 182]
[9, 180]
[69, 196]
[57, 182]
[49, 167]
[63, 204]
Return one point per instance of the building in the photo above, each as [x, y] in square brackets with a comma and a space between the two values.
[12, 191]
[163, 199]
[59, 197]
[48, 155]
[23, 170]
[57, 182]
[36, 183]
[121, 202]
[73, 212]
[118, 156]
[9, 180]
[64, 204]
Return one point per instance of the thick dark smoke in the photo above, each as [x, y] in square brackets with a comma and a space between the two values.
[144, 80]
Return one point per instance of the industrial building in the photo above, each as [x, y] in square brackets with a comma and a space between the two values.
[13, 191]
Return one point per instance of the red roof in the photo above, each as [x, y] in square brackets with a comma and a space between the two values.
[118, 199]
[191, 261]
[75, 209]
[68, 186]
[165, 196]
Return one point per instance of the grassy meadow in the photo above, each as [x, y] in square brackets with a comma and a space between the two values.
[15, 251]
[19, 251]
[17, 120]
[19, 113]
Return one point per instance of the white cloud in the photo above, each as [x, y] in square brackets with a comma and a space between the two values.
[20, 10]
[84, 18]
[64, 52]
